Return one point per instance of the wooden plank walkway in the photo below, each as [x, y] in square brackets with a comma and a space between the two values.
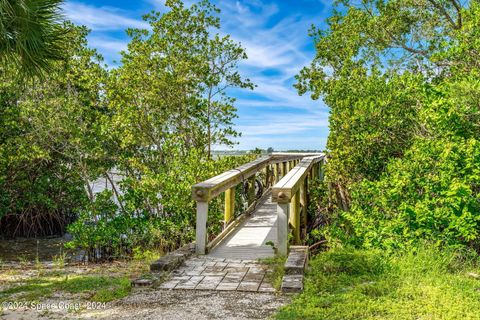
[232, 265]
[247, 241]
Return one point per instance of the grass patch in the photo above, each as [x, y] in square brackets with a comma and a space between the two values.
[99, 287]
[368, 284]
[277, 267]
[105, 288]
[120, 289]
[98, 283]
[28, 290]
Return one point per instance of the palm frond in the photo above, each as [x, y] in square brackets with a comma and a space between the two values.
[31, 34]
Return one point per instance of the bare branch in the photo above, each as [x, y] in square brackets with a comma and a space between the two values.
[444, 12]
[114, 188]
[396, 40]
[458, 7]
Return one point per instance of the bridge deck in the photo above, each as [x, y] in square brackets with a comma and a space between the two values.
[247, 241]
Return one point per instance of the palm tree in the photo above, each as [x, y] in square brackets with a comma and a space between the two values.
[31, 34]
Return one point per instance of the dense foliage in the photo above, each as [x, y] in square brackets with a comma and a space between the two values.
[48, 131]
[143, 130]
[402, 81]
[109, 228]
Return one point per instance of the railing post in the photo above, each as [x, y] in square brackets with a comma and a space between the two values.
[251, 190]
[292, 200]
[295, 217]
[304, 202]
[283, 212]
[304, 192]
[229, 205]
[277, 172]
[322, 171]
[201, 231]
[267, 176]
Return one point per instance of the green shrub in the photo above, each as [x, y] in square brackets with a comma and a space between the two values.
[427, 283]
[432, 193]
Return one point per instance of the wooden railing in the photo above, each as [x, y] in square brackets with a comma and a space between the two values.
[291, 195]
[276, 167]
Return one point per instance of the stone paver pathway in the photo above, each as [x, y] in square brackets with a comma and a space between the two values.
[212, 273]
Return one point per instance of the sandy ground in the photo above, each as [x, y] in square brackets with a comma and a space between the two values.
[141, 303]
[169, 304]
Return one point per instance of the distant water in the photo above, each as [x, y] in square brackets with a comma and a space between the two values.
[29, 249]
[102, 184]
[46, 249]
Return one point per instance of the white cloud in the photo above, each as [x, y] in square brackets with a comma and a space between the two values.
[241, 8]
[101, 18]
[245, 14]
[279, 143]
[287, 123]
[108, 25]
[270, 45]
[107, 45]
[275, 42]
[265, 55]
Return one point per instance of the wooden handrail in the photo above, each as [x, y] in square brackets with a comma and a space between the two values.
[287, 187]
[290, 193]
[209, 189]
[205, 191]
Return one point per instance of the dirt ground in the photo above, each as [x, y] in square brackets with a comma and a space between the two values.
[165, 304]
[57, 291]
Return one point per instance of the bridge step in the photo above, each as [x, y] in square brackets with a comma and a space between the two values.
[294, 269]
[297, 260]
[173, 259]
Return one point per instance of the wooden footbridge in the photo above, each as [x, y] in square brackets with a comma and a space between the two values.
[276, 214]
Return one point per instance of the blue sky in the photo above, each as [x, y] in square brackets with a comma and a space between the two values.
[275, 36]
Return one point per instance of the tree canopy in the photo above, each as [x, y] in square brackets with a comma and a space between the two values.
[401, 81]
[144, 129]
